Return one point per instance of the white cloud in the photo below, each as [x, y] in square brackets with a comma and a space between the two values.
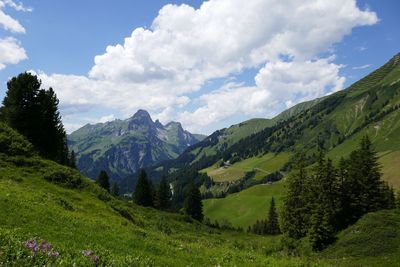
[107, 118]
[279, 85]
[160, 67]
[11, 52]
[361, 67]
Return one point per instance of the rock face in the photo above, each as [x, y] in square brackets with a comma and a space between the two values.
[122, 147]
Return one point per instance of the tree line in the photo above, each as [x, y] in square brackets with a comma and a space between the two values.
[159, 196]
[326, 199]
[33, 112]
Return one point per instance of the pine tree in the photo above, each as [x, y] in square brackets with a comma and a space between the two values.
[192, 204]
[143, 192]
[321, 232]
[272, 224]
[115, 190]
[72, 160]
[295, 214]
[103, 180]
[163, 196]
[34, 113]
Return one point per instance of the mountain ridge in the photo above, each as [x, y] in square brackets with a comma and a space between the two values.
[122, 147]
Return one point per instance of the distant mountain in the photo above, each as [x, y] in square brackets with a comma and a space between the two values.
[334, 123]
[122, 147]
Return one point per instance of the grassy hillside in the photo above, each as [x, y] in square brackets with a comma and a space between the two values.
[246, 207]
[42, 200]
[262, 165]
[373, 241]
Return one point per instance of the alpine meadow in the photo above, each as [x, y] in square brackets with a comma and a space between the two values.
[200, 133]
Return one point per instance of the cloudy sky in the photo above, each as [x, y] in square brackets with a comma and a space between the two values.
[207, 64]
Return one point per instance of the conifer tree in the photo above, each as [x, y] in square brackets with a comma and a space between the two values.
[103, 180]
[192, 204]
[34, 113]
[143, 192]
[294, 212]
[163, 196]
[272, 224]
[321, 232]
[72, 160]
[115, 190]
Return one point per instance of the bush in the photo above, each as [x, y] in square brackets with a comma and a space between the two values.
[65, 178]
[14, 144]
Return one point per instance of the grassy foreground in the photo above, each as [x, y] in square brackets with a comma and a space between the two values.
[43, 201]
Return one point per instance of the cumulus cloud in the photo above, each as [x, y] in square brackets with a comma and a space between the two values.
[278, 85]
[161, 66]
[11, 51]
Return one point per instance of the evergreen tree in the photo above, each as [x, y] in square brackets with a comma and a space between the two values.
[115, 190]
[103, 180]
[192, 204]
[34, 113]
[72, 160]
[143, 193]
[321, 232]
[163, 197]
[272, 224]
[295, 207]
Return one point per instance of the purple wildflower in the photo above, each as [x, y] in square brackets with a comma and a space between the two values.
[87, 253]
[53, 254]
[46, 247]
[30, 244]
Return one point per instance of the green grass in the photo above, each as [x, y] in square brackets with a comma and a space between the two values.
[77, 219]
[246, 207]
[262, 165]
[373, 241]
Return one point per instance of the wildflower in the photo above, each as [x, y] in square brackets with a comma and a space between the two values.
[53, 254]
[30, 244]
[87, 253]
[46, 247]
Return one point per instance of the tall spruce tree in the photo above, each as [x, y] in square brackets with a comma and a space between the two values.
[115, 189]
[321, 232]
[72, 160]
[192, 204]
[103, 180]
[163, 196]
[295, 215]
[272, 224]
[34, 113]
[143, 194]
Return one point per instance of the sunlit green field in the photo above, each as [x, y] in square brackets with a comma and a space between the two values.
[246, 207]
[262, 165]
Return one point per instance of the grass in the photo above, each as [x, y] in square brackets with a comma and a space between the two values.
[119, 232]
[246, 207]
[262, 165]
[373, 241]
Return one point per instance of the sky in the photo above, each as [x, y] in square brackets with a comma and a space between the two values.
[207, 64]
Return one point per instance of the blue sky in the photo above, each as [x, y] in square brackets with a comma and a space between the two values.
[207, 65]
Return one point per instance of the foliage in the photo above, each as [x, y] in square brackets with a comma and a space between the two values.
[33, 112]
[143, 194]
[163, 195]
[103, 180]
[193, 205]
[322, 202]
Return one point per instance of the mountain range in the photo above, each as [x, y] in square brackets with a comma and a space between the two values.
[122, 147]
[333, 124]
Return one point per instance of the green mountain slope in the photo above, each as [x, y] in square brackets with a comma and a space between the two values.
[43, 201]
[122, 147]
[334, 124]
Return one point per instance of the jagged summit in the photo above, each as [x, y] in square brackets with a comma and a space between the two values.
[141, 114]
